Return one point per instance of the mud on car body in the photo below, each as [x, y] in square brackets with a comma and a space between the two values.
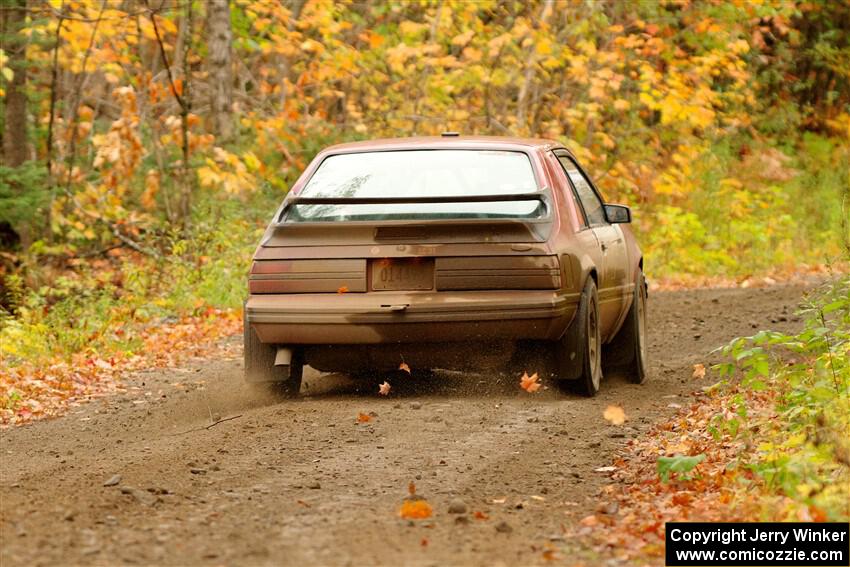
[446, 252]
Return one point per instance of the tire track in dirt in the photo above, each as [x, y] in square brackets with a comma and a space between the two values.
[299, 482]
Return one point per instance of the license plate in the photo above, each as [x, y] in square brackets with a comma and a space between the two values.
[402, 274]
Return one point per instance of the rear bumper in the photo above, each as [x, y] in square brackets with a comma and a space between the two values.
[392, 317]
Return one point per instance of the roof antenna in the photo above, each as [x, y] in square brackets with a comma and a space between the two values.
[450, 134]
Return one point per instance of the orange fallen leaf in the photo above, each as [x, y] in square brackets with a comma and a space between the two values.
[415, 510]
[529, 383]
[549, 555]
[403, 366]
[363, 417]
[424, 542]
[481, 516]
[384, 388]
[302, 503]
[682, 498]
[699, 371]
[818, 515]
[342, 289]
[615, 415]
[411, 488]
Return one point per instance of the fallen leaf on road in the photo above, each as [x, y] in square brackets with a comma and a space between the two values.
[589, 521]
[302, 503]
[605, 469]
[363, 417]
[538, 498]
[682, 498]
[424, 542]
[500, 500]
[529, 383]
[342, 289]
[699, 371]
[481, 516]
[384, 388]
[411, 488]
[615, 415]
[404, 367]
[415, 510]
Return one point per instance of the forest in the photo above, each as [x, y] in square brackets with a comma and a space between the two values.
[147, 143]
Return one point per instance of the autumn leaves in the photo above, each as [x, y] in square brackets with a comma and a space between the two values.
[530, 384]
[414, 506]
[385, 387]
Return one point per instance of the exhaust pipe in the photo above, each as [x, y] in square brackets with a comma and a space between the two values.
[283, 356]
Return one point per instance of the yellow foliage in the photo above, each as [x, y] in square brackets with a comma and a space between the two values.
[229, 172]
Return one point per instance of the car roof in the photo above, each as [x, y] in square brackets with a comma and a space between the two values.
[444, 142]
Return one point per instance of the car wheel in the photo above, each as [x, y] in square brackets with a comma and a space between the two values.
[629, 349]
[579, 357]
[260, 368]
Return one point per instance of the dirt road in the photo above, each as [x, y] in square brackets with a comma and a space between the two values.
[301, 483]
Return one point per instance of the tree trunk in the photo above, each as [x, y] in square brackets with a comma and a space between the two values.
[15, 146]
[219, 42]
[185, 101]
[530, 74]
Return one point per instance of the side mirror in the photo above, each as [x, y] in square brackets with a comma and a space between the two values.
[617, 214]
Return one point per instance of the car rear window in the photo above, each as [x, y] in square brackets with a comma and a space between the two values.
[420, 173]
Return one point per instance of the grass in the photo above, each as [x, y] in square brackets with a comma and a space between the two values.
[764, 212]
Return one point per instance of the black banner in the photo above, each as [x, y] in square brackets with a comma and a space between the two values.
[694, 544]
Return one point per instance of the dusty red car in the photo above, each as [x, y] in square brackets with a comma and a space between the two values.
[446, 252]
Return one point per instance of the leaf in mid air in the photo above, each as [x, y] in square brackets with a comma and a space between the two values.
[529, 383]
[384, 388]
[615, 415]
[404, 367]
[699, 371]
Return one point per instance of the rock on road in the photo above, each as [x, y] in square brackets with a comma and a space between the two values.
[300, 482]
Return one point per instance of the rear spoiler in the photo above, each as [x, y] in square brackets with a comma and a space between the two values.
[542, 196]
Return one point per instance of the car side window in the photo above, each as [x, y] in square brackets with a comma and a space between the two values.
[590, 202]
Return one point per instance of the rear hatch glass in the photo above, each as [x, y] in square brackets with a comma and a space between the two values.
[412, 174]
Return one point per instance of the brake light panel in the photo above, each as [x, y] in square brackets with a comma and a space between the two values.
[497, 272]
[307, 276]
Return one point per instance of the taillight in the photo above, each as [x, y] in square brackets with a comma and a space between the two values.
[307, 276]
[498, 272]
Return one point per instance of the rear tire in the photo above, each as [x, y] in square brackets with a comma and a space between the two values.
[579, 355]
[628, 351]
[261, 370]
